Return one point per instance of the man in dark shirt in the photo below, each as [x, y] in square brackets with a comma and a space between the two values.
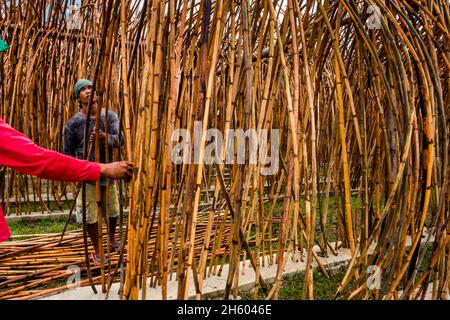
[73, 146]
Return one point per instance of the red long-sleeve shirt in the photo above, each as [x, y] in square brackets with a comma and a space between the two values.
[18, 152]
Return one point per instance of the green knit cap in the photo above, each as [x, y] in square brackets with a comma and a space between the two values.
[80, 85]
[3, 46]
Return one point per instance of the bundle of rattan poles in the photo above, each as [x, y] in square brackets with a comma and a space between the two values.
[349, 100]
[30, 268]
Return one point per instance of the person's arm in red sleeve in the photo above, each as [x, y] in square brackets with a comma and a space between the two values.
[18, 152]
[4, 230]
[21, 154]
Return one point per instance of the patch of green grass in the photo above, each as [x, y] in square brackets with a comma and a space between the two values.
[426, 259]
[22, 227]
[292, 286]
[52, 284]
[39, 207]
[324, 288]
[276, 209]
